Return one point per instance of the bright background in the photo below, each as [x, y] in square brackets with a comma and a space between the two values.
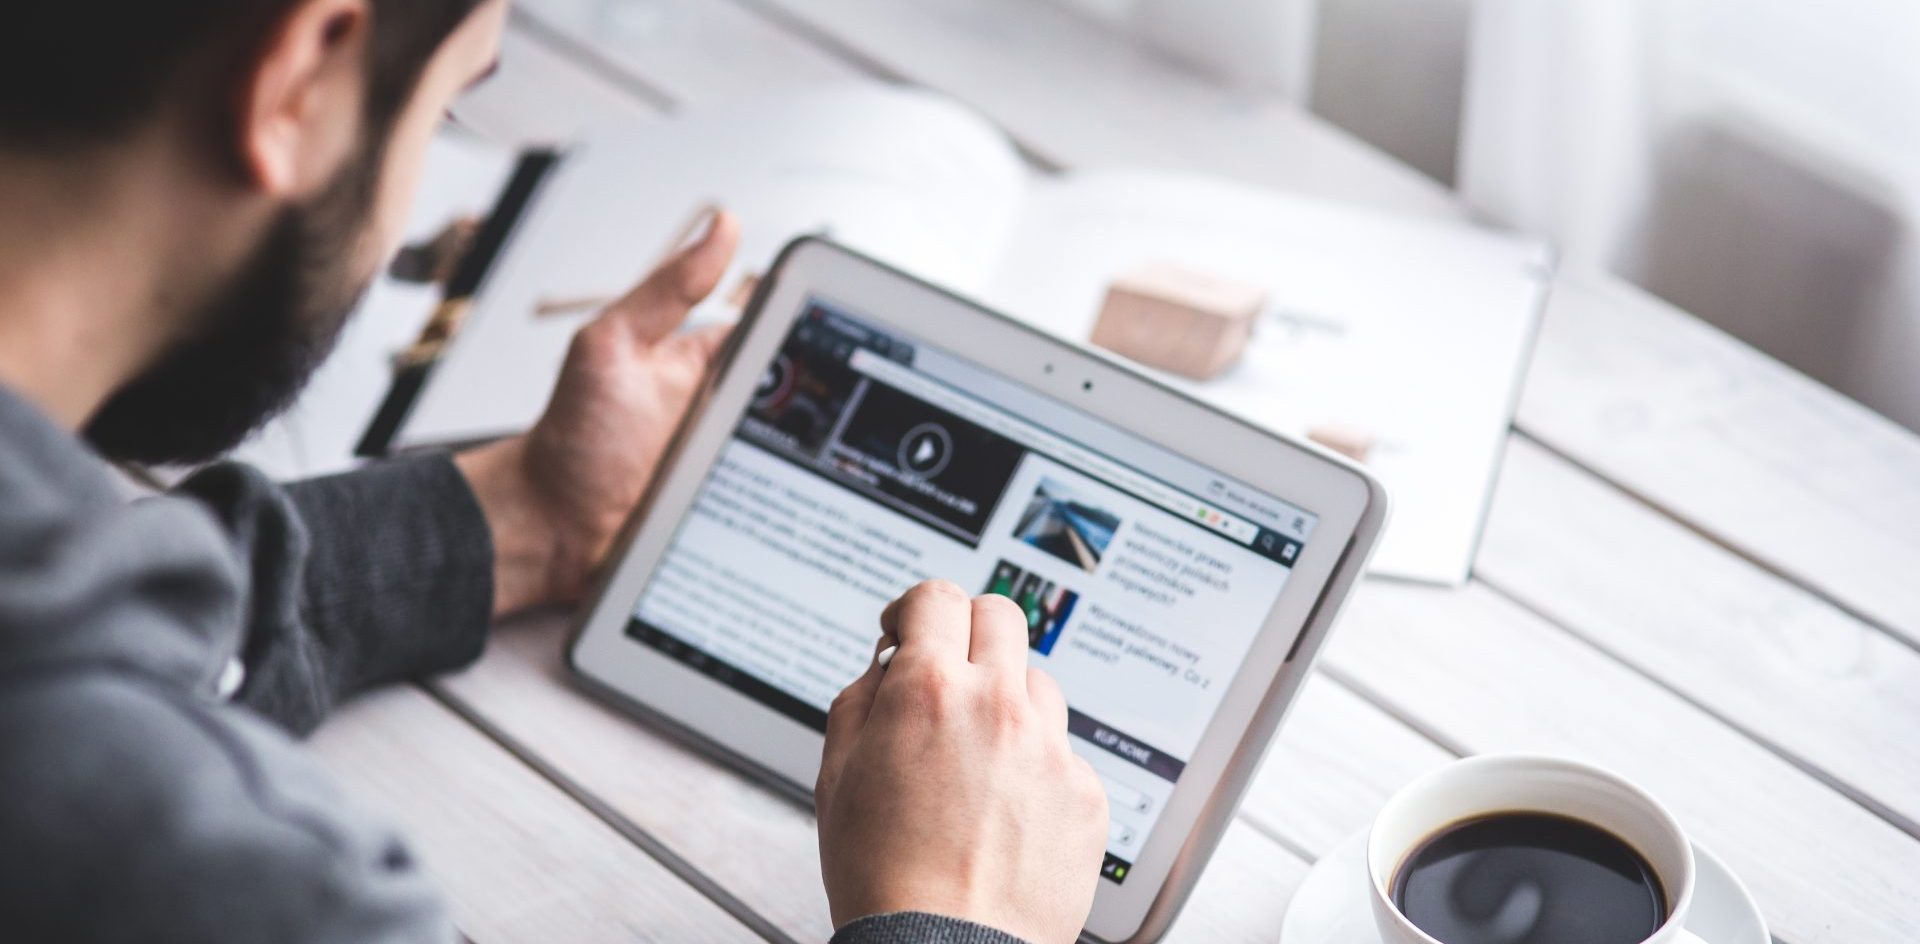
[1756, 162]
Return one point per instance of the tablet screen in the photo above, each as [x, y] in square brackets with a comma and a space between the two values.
[868, 461]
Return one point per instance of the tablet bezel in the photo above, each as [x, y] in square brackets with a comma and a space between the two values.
[1350, 505]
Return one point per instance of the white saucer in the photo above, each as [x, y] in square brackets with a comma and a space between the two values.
[1331, 906]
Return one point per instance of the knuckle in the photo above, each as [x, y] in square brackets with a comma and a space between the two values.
[917, 667]
[1041, 683]
[584, 340]
[935, 694]
[1000, 710]
[992, 607]
[674, 281]
[934, 710]
[938, 588]
[1088, 790]
[594, 342]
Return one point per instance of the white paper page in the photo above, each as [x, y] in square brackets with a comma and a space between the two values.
[908, 177]
[1412, 331]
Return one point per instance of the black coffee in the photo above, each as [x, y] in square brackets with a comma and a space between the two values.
[1529, 878]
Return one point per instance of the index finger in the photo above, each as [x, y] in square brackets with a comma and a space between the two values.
[655, 307]
[999, 632]
[932, 620]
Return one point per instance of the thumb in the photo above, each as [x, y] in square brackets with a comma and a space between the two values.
[657, 306]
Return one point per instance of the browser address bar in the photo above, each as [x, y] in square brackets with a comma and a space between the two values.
[902, 377]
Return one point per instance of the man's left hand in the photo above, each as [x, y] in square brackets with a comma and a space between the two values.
[556, 496]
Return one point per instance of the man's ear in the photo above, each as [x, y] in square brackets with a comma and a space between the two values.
[301, 96]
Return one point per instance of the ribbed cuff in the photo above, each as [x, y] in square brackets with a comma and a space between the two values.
[400, 578]
[918, 927]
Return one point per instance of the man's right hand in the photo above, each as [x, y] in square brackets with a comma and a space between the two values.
[947, 785]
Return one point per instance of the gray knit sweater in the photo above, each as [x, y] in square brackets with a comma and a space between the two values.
[158, 660]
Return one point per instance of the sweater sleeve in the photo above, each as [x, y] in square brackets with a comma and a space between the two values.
[918, 927]
[357, 579]
[140, 811]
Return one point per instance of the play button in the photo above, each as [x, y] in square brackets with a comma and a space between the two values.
[774, 384]
[925, 450]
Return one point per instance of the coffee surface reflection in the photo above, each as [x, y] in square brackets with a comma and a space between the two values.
[1529, 878]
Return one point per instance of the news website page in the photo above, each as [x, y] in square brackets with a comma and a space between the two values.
[868, 462]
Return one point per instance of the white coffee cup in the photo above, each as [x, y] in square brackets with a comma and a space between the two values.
[1478, 786]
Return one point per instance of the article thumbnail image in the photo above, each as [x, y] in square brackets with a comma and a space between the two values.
[1058, 521]
[803, 391]
[1047, 604]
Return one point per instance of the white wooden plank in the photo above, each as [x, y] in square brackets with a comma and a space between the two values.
[756, 844]
[1782, 664]
[1486, 675]
[761, 846]
[1242, 895]
[518, 859]
[1733, 443]
[1337, 759]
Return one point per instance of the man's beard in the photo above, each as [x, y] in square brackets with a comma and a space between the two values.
[257, 342]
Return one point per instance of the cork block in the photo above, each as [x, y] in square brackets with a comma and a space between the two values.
[1350, 441]
[1177, 319]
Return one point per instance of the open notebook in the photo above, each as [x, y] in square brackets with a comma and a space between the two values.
[1416, 332]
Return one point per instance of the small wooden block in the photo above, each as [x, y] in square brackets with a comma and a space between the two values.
[1177, 319]
[1348, 441]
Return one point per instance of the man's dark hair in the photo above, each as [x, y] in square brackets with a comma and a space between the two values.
[79, 72]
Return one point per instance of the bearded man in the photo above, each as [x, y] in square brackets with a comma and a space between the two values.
[192, 195]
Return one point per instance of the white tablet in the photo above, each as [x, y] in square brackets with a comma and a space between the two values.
[1178, 568]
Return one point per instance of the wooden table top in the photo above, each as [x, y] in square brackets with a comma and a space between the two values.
[1701, 569]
